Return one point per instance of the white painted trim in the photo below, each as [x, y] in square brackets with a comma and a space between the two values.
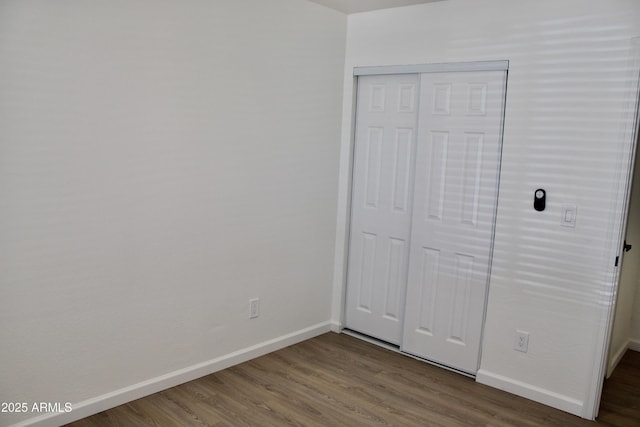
[617, 232]
[343, 217]
[336, 327]
[547, 397]
[634, 344]
[145, 388]
[432, 68]
[615, 359]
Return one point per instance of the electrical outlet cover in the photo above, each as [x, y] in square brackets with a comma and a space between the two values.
[254, 308]
[521, 342]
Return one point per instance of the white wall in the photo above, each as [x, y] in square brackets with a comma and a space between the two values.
[566, 130]
[161, 163]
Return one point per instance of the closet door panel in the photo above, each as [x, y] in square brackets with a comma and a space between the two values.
[386, 132]
[455, 197]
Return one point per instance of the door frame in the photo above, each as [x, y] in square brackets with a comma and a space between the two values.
[447, 67]
[343, 229]
[627, 164]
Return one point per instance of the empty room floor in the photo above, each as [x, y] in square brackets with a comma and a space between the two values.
[339, 380]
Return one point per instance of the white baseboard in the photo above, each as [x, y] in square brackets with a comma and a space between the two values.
[634, 344]
[617, 356]
[336, 327]
[546, 397]
[136, 391]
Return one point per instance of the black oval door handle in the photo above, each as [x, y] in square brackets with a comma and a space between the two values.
[627, 247]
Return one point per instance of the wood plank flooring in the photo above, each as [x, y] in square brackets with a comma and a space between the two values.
[338, 380]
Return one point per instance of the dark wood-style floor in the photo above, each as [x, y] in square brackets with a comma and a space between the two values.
[338, 380]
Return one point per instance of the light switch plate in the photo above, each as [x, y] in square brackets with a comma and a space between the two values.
[569, 214]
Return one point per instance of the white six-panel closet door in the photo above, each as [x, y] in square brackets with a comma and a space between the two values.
[381, 209]
[453, 216]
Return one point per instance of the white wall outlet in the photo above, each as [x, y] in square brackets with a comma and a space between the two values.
[521, 342]
[254, 308]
